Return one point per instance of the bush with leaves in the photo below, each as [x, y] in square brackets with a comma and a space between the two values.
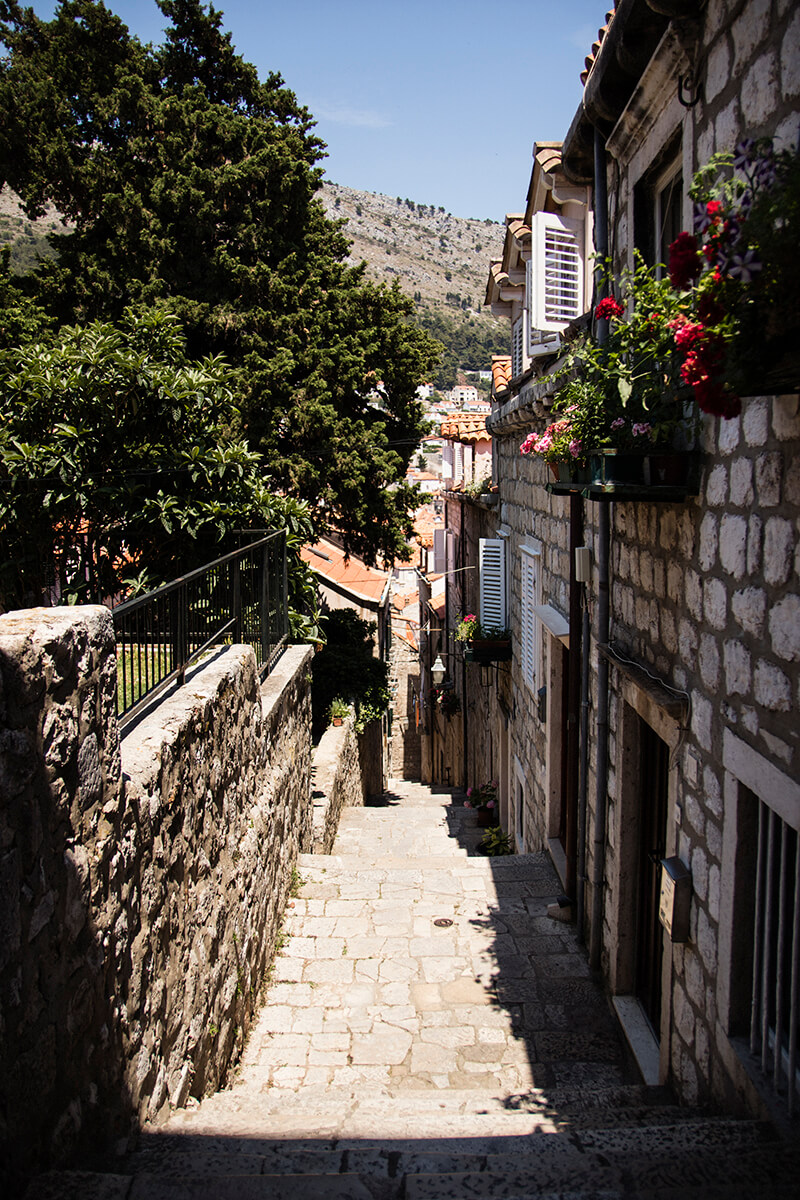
[346, 666]
[119, 467]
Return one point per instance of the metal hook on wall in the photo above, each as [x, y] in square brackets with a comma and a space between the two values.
[690, 90]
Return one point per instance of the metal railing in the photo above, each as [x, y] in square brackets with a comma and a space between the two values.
[239, 598]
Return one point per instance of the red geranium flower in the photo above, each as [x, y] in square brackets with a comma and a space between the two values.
[684, 261]
[608, 308]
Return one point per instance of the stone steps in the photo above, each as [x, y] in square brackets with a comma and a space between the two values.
[708, 1158]
[397, 1059]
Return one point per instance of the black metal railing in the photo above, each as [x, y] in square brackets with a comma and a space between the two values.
[239, 598]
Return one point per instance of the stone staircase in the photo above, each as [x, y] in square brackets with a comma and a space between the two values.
[431, 1033]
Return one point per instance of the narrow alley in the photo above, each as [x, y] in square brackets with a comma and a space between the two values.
[429, 1032]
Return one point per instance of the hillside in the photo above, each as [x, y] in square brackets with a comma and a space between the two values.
[440, 260]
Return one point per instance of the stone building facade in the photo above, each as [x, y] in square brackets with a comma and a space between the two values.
[682, 748]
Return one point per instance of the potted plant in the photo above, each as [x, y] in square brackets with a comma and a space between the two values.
[447, 700]
[338, 710]
[483, 800]
[483, 643]
[495, 843]
[693, 340]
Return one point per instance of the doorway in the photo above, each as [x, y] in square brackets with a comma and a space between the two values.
[653, 809]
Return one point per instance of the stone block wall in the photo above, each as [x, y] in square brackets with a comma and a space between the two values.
[142, 883]
[337, 782]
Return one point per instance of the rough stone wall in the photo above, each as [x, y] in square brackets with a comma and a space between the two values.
[405, 742]
[707, 594]
[337, 781]
[529, 512]
[141, 891]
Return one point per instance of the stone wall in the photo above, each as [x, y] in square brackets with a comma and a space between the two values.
[337, 781]
[705, 594]
[141, 884]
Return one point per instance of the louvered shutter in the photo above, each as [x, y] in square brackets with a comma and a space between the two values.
[529, 564]
[557, 292]
[517, 348]
[439, 551]
[492, 560]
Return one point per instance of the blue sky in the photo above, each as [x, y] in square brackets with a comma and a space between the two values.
[439, 101]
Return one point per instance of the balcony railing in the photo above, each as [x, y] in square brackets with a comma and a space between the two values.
[239, 598]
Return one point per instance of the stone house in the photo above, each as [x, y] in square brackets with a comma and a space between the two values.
[649, 714]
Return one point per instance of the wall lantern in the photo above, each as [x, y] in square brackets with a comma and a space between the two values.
[438, 670]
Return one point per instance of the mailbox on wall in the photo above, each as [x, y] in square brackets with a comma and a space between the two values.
[676, 894]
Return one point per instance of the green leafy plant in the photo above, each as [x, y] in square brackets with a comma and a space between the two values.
[495, 843]
[469, 628]
[339, 708]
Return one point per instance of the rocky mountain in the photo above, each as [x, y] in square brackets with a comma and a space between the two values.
[441, 261]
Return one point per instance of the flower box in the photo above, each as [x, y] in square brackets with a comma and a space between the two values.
[617, 466]
[573, 475]
[487, 650]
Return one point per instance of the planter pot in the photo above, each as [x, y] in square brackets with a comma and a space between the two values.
[487, 650]
[486, 817]
[667, 470]
[571, 473]
[617, 466]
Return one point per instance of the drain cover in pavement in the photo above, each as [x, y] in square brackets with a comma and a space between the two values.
[443, 922]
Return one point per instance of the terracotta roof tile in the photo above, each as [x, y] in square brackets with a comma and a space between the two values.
[501, 371]
[601, 33]
[329, 562]
[466, 427]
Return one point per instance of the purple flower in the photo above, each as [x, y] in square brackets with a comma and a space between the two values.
[742, 154]
[765, 172]
[744, 266]
[701, 218]
[618, 424]
[642, 429]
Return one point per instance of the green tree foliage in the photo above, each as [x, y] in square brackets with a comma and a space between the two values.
[117, 462]
[468, 345]
[185, 178]
[347, 667]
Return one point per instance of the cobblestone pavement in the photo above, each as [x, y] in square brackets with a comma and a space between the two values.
[426, 1023]
[415, 965]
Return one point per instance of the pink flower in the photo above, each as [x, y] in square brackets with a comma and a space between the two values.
[642, 428]
[469, 791]
[467, 804]
[490, 803]
[575, 448]
[618, 424]
[689, 334]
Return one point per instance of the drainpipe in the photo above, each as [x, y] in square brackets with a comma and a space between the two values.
[580, 891]
[603, 608]
[573, 698]
[465, 706]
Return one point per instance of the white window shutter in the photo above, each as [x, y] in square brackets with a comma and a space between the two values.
[439, 551]
[557, 291]
[517, 347]
[492, 560]
[529, 639]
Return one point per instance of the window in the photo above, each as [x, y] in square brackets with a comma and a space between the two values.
[492, 559]
[758, 993]
[658, 205]
[531, 591]
[517, 347]
[556, 279]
